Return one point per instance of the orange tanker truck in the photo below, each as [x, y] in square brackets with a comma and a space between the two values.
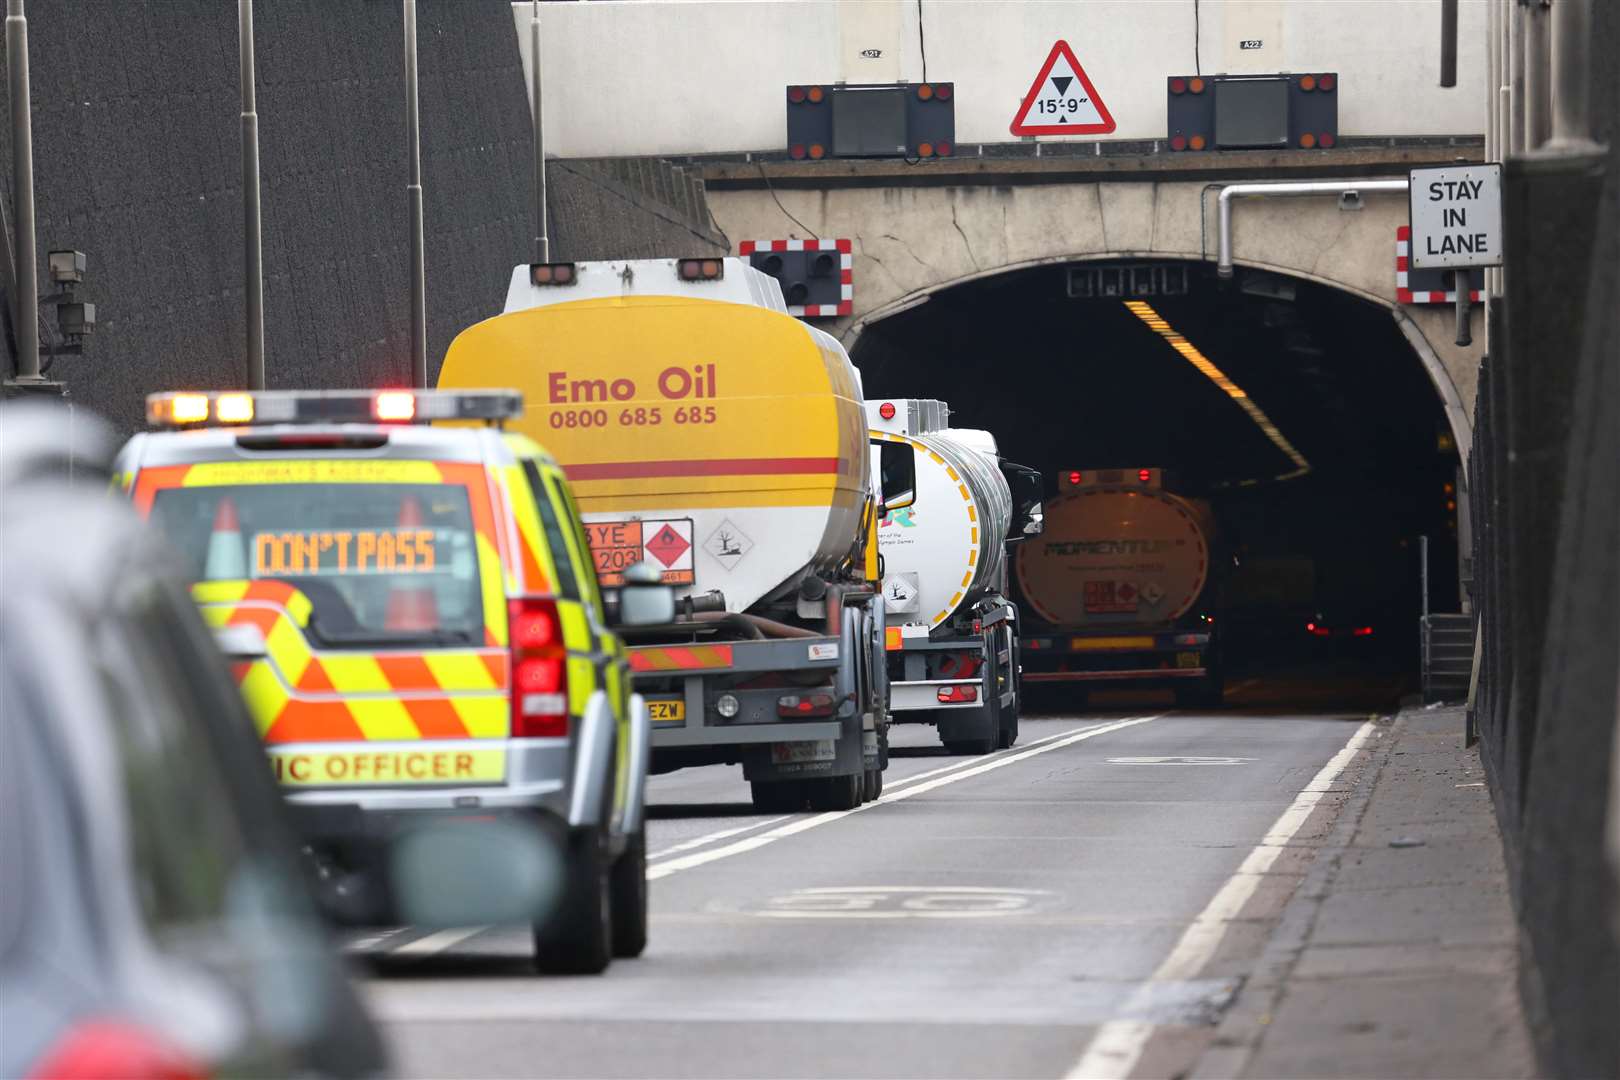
[1119, 588]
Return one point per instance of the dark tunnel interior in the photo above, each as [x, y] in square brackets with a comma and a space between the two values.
[1320, 519]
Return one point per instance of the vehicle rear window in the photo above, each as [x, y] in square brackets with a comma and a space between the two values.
[380, 563]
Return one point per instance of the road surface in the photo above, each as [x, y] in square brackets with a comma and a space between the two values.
[1072, 906]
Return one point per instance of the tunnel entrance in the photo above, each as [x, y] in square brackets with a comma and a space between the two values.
[1298, 411]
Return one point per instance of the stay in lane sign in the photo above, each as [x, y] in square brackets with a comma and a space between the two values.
[1062, 100]
[1456, 216]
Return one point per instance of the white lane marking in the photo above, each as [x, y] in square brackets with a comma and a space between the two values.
[709, 838]
[753, 843]
[888, 783]
[970, 762]
[1117, 1047]
[438, 942]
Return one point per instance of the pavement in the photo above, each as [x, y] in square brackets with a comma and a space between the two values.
[1135, 892]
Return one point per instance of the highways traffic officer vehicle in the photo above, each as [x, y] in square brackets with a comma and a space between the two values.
[418, 629]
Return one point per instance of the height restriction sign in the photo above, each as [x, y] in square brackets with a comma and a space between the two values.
[1061, 100]
[1456, 216]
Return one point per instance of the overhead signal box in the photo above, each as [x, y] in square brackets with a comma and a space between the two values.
[877, 120]
[1253, 112]
[817, 276]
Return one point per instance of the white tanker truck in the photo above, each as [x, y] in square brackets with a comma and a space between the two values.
[951, 634]
[1118, 588]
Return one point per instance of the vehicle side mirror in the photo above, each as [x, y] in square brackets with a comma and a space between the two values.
[644, 599]
[897, 465]
[1028, 490]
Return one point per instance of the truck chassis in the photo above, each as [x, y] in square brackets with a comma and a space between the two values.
[830, 754]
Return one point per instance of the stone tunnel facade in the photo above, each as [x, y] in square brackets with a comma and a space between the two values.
[912, 241]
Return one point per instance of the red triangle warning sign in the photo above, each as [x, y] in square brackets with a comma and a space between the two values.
[1062, 101]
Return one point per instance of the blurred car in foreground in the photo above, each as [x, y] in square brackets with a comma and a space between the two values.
[155, 922]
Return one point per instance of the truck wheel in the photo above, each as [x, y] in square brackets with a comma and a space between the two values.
[777, 796]
[629, 889]
[835, 792]
[578, 938]
[874, 784]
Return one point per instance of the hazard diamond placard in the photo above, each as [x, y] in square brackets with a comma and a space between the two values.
[1062, 101]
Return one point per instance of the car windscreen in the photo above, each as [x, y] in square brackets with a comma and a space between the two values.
[381, 564]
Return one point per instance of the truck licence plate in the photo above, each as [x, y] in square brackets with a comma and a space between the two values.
[667, 711]
[1187, 660]
[788, 753]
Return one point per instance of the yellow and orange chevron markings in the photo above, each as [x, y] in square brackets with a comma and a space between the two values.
[298, 694]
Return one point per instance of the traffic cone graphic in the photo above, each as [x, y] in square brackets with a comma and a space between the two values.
[227, 554]
[411, 603]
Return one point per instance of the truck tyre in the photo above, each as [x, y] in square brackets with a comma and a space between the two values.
[874, 784]
[777, 796]
[835, 792]
[629, 897]
[578, 937]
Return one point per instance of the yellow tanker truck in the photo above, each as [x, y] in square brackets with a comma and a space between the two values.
[711, 436]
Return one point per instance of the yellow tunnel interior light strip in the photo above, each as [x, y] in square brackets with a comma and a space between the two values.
[1156, 322]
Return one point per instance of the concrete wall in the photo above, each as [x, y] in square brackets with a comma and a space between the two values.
[911, 241]
[136, 158]
[634, 77]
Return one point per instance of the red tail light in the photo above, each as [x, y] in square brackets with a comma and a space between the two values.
[112, 1050]
[958, 693]
[1362, 631]
[795, 705]
[886, 410]
[1074, 478]
[1144, 475]
[539, 671]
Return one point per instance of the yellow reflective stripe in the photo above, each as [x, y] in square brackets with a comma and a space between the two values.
[265, 693]
[527, 518]
[494, 590]
[216, 615]
[315, 471]
[219, 592]
[355, 674]
[382, 718]
[299, 607]
[581, 683]
[289, 650]
[459, 671]
[484, 717]
[576, 629]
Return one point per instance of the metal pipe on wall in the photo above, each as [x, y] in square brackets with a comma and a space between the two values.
[542, 241]
[1223, 260]
[1448, 43]
[1515, 80]
[26, 272]
[1571, 77]
[1537, 78]
[252, 232]
[413, 125]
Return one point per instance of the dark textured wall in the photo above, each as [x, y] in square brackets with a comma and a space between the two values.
[137, 163]
[1546, 474]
